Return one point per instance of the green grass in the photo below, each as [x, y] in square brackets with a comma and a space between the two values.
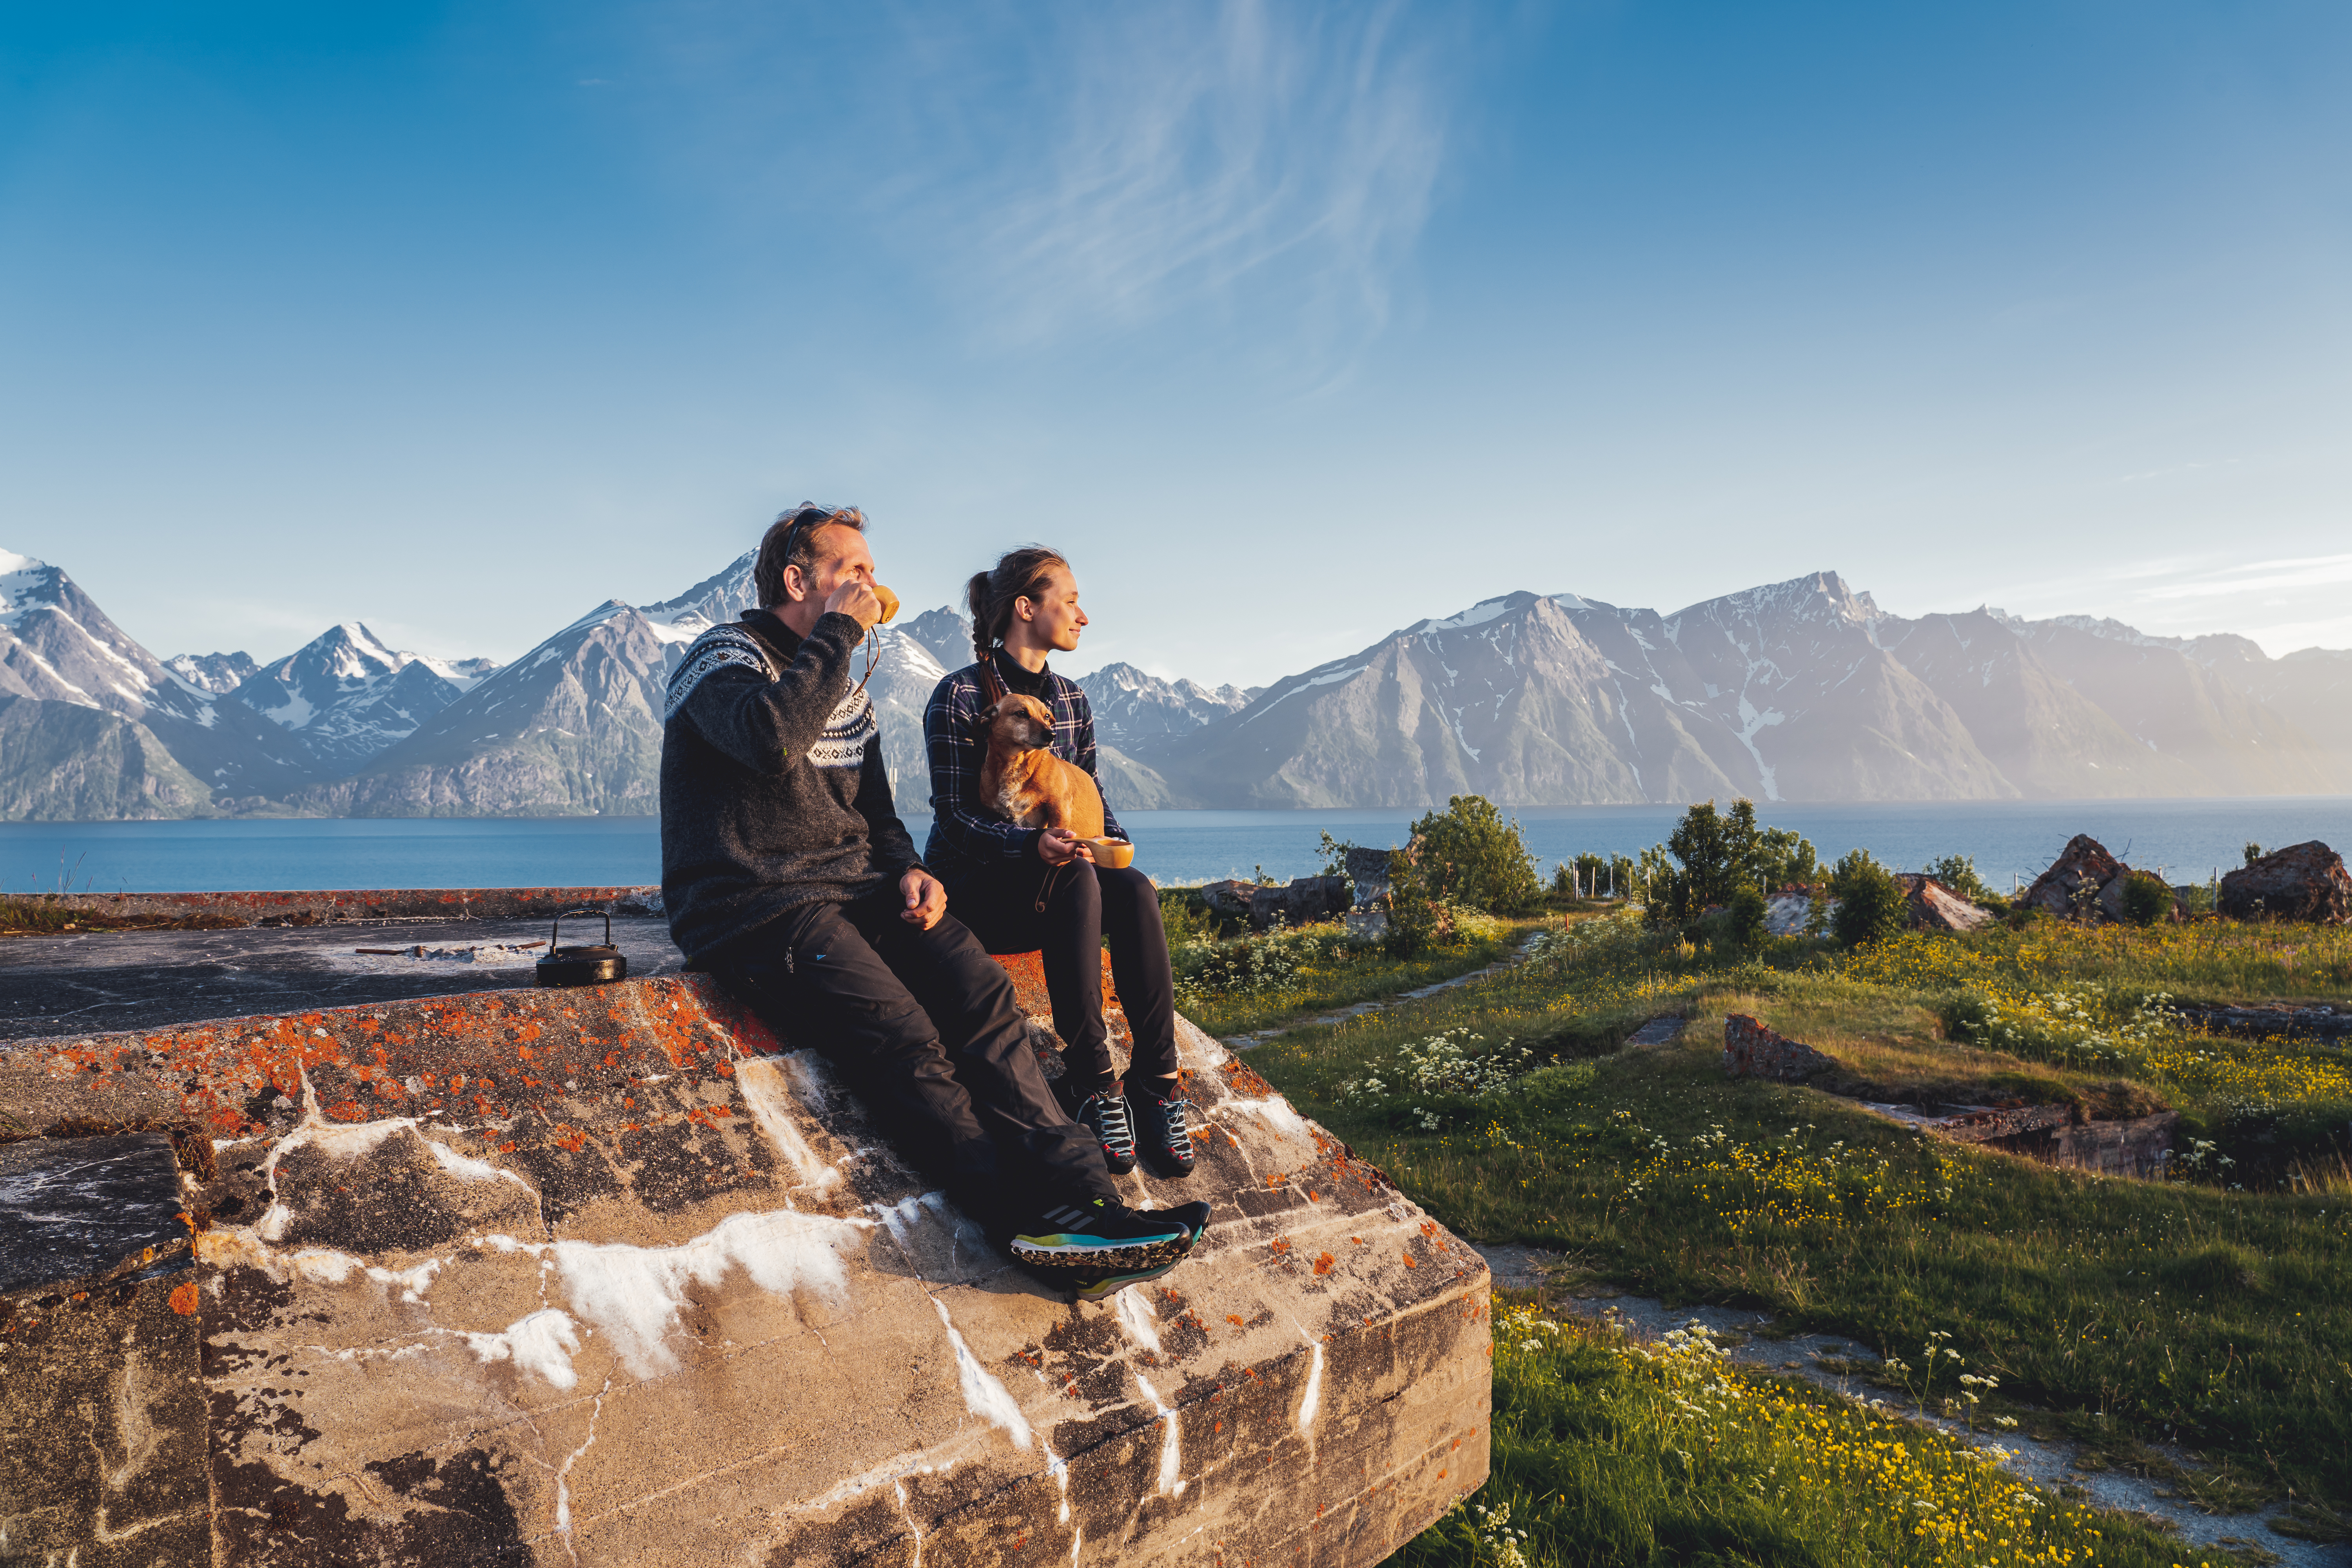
[2201, 961]
[1607, 1453]
[1315, 970]
[2123, 1313]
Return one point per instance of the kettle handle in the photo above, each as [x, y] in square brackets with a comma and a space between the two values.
[554, 936]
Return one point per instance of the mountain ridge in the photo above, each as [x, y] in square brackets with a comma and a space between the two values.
[1801, 689]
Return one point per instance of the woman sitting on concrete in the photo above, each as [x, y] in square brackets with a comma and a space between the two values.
[1023, 890]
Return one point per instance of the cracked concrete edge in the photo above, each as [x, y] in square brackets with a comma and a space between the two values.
[1396, 1375]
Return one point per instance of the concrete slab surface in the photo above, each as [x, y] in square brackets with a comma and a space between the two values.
[105, 980]
[607, 1276]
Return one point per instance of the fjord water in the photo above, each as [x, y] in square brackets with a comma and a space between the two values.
[2187, 837]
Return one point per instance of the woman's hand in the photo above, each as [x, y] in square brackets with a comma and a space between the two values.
[1059, 847]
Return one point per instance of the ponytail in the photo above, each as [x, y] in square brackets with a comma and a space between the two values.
[1018, 574]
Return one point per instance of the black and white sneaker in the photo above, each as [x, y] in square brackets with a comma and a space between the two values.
[1105, 1114]
[1164, 1134]
[1100, 1237]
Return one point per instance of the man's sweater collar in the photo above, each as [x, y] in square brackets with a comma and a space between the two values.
[765, 624]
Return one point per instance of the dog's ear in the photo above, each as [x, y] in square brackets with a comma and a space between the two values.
[988, 714]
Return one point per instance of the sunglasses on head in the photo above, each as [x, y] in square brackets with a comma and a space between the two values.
[805, 518]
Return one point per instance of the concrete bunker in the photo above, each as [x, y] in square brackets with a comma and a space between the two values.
[612, 1276]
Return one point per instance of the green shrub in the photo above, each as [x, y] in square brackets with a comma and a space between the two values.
[1413, 916]
[2146, 900]
[1468, 854]
[1869, 900]
[1186, 916]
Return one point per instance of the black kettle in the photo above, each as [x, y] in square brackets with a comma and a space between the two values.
[592, 965]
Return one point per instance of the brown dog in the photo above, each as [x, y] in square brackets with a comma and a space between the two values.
[1027, 783]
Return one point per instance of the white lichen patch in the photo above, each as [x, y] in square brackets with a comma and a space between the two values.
[983, 1395]
[773, 1105]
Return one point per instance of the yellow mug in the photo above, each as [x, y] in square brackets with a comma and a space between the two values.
[889, 601]
[1116, 854]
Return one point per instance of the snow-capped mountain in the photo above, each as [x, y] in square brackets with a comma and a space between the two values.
[944, 634]
[61, 647]
[1795, 690]
[213, 673]
[574, 725]
[720, 597]
[347, 696]
[1134, 710]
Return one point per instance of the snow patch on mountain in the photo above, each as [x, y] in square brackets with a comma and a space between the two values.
[212, 674]
[1134, 708]
[347, 695]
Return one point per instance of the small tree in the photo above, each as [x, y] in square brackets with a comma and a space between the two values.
[1717, 850]
[1563, 885]
[1959, 872]
[2254, 852]
[1747, 910]
[1334, 855]
[1716, 854]
[1784, 859]
[1471, 856]
[1869, 900]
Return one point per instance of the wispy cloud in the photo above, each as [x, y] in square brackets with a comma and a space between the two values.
[2258, 576]
[1060, 173]
[1184, 154]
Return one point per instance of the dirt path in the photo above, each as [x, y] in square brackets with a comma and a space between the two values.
[1251, 1041]
[2050, 1464]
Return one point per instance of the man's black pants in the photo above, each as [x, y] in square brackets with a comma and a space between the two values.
[926, 1021]
[1085, 904]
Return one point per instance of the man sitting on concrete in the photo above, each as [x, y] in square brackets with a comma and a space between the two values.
[787, 873]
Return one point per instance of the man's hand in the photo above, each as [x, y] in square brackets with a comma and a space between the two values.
[1059, 847]
[855, 597]
[926, 899]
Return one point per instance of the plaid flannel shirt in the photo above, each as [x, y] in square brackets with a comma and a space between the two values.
[966, 835]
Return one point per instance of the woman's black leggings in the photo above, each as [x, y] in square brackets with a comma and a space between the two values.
[1085, 904]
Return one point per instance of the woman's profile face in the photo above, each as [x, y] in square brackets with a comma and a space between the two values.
[1052, 616]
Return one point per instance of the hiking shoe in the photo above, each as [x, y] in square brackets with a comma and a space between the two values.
[1164, 1134]
[1102, 1237]
[1110, 1285]
[1193, 1217]
[1105, 1114]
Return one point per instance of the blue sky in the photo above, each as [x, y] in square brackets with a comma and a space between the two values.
[1291, 324]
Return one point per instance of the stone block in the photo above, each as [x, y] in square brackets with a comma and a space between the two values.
[1751, 1051]
[609, 1275]
[2301, 882]
[1304, 901]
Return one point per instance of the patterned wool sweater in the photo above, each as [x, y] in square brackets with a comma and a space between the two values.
[773, 790]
